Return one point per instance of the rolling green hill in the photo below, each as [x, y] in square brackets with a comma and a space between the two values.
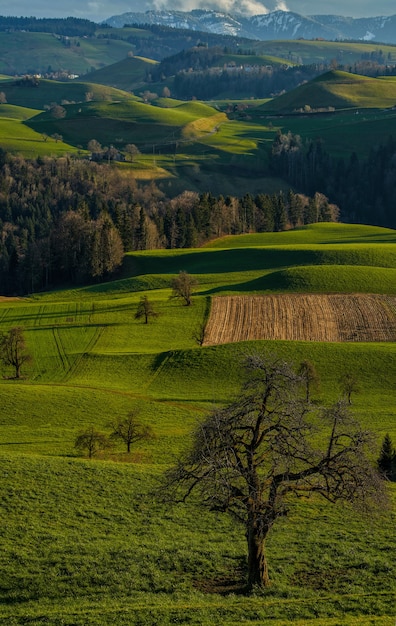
[304, 51]
[38, 96]
[16, 136]
[336, 90]
[129, 74]
[23, 52]
[85, 542]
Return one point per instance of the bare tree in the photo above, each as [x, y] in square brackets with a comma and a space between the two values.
[130, 430]
[182, 287]
[199, 333]
[92, 441]
[58, 112]
[94, 146]
[349, 384]
[310, 377]
[3, 98]
[132, 150]
[13, 349]
[145, 309]
[250, 458]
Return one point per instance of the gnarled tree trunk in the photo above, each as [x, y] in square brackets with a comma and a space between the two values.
[257, 562]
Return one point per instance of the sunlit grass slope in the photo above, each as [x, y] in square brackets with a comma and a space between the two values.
[86, 542]
[17, 137]
[339, 90]
[120, 123]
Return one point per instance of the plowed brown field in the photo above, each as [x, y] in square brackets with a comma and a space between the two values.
[303, 317]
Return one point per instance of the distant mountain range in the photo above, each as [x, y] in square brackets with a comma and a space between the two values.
[274, 25]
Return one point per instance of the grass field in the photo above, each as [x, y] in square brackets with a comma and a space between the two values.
[86, 542]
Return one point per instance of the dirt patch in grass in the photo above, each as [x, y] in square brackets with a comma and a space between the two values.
[302, 317]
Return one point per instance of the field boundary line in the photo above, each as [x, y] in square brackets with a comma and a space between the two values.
[164, 361]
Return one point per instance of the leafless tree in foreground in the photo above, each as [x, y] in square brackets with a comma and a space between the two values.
[250, 458]
[13, 349]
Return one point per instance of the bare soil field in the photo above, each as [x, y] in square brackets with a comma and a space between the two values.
[302, 317]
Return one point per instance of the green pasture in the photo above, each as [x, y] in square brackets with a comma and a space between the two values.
[344, 132]
[18, 138]
[339, 90]
[304, 51]
[61, 92]
[87, 542]
[128, 74]
[25, 52]
[120, 123]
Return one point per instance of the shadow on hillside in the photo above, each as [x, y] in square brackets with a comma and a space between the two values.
[275, 281]
[221, 261]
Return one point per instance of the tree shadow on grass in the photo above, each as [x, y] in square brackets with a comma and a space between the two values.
[233, 582]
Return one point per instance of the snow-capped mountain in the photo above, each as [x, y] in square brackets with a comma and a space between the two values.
[274, 25]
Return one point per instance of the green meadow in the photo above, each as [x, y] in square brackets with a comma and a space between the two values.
[87, 541]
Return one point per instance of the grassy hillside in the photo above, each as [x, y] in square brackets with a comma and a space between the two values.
[16, 136]
[85, 542]
[303, 51]
[49, 91]
[129, 74]
[23, 52]
[338, 90]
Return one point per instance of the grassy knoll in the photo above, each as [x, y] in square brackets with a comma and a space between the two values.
[84, 542]
[128, 74]
[339, 90]
[49, 91]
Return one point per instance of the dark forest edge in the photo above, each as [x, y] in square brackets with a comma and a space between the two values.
[67, 221]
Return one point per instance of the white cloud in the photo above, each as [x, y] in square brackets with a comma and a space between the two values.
[281, 6]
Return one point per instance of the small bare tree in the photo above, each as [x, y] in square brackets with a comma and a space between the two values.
[349, 384]
[199, 333]
[251, 458]
[182, 287]
[132, 150]
[92, 441]
[130, 430]
[146, 310]
[13, 349]
[310, 377]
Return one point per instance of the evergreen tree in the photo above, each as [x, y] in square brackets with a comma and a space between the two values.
[387, 459]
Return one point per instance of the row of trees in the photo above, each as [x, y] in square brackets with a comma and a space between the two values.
[128, 430]
[69, 26]
[262, 81]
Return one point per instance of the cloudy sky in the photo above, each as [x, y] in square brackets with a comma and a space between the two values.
[97, 10]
